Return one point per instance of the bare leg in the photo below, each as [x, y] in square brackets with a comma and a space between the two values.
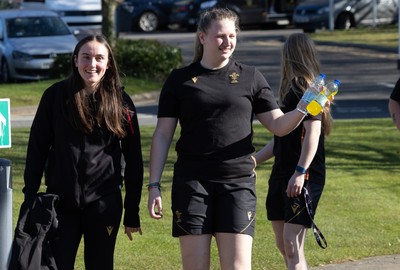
[195, 251]
[277, 226]
[234, 250]
[294, 236]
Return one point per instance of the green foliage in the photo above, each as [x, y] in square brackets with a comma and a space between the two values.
[145, 59]
[61, 66]
[148, 59]
[357, 213]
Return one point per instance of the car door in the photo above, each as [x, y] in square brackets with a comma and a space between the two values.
[387, 11]
[249, 11]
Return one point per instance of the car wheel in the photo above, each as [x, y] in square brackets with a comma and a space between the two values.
[344, 21]
[148, 22]
[4, 72]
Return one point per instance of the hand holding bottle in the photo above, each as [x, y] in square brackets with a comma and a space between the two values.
[311, 93]
[317, 105]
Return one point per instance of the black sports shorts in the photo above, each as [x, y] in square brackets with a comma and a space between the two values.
[205, 207]
[291, 210]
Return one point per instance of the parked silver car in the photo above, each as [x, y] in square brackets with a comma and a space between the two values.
[310, 15]
[29, 42]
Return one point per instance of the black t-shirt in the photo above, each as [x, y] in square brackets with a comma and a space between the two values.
[395, 95]
[215, 109]
[287, 149]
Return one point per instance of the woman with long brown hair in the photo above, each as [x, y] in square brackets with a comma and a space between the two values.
[299, 156]
[83, 127]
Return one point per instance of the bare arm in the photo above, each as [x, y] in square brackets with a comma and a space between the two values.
[308, 150]
[394, 110]
[280, 123]
[266, 152]
[161, 142]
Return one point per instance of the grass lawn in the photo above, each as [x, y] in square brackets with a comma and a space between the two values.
[29, 93]
[358, 212]
[382, 35]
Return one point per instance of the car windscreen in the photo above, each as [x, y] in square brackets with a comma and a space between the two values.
[36, 26]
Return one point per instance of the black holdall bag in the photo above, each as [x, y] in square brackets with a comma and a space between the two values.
[36, 225]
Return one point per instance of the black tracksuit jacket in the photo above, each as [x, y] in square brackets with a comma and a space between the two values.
[80, 167]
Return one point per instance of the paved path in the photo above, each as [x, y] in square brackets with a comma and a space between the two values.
[388, 262]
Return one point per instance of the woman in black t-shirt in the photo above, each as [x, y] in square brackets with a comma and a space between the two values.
[214, 100]
[299, 156]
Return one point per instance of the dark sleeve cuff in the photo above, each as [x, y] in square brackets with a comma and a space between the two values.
[131, 219]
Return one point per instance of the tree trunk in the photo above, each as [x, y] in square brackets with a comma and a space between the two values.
[108, 8]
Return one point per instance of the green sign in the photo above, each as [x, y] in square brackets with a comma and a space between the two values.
[5, 125]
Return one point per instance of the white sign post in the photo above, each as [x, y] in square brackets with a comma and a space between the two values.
[5, 123]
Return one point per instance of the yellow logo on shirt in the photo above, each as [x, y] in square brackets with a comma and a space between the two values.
[234, 77]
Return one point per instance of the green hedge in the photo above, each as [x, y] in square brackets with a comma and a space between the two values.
[61, 66]
[145, 59]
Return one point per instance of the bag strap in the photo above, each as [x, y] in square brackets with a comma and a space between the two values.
[319, 237]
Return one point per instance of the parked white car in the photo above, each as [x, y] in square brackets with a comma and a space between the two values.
[29, 42]
[78, 14]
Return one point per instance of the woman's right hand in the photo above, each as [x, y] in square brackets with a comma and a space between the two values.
[155, 203]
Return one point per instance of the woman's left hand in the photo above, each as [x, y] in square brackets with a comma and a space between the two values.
[295, 185]
[130, 230]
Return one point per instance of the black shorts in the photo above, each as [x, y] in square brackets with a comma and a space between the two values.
[204, 207]
[291, 210]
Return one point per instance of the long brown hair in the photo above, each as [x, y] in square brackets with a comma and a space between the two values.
[111, 111]
[206, 18]
[299, 65]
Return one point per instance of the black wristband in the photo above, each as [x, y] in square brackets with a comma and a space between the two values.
[301, 169]
[154, 185]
